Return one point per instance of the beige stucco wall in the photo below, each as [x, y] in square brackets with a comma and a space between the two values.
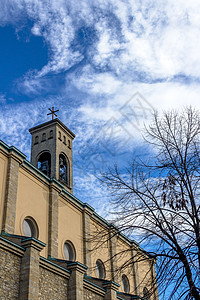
[99, 252]
[69, 228]
[3, 176]
[123, 255]
[32, 200]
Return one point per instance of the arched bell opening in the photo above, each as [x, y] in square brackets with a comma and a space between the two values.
[44, 163]
[64, 169]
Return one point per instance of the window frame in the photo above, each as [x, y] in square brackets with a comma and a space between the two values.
[32, 226]
[72, 249]
[100, 269]
[44, 137]
[125, 284]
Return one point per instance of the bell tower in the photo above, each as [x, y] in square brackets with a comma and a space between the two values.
[51, 151]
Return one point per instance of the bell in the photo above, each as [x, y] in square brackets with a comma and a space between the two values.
[44, 167]
[61, 163]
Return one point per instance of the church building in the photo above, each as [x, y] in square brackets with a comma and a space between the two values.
[50, 242]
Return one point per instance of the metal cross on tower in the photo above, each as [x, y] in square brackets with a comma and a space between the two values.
[52, 112]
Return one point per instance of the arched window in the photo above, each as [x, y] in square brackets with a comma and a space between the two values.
[44, 163]
[50, 134]
[100, 269]
[69, 251]
[146, 294]
[36, 139]
[43, 137]
[125, 284]
[63, 169]
[30, 227]
[64, 140]
[59, 135]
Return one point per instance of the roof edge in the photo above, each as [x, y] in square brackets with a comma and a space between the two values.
[54, 121]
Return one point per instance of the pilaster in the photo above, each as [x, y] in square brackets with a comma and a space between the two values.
[29, 273]
[75, 290]
[9, 213]
[87, 212]
[113, 252]
[111, 290]
[53, 221]
[154, 281]
[135, 271]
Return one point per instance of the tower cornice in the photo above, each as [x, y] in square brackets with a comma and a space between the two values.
[49, 124]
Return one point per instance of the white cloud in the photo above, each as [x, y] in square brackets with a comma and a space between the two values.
[84, 184]
[159, 38]
[133, 110]
[2, 98]
[11, 11]
[133, 45]
[103, 83]
[31, 83]
[19, 117]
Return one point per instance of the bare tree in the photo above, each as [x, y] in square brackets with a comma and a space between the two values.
[160, 200]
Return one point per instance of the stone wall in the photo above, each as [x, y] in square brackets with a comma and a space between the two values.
[9, 275]
[89, 295]
[52, 281]
[52, 286]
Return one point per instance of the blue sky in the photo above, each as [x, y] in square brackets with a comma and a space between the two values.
[105, 65]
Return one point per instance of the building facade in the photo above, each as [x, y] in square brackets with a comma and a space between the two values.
[51, 244]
